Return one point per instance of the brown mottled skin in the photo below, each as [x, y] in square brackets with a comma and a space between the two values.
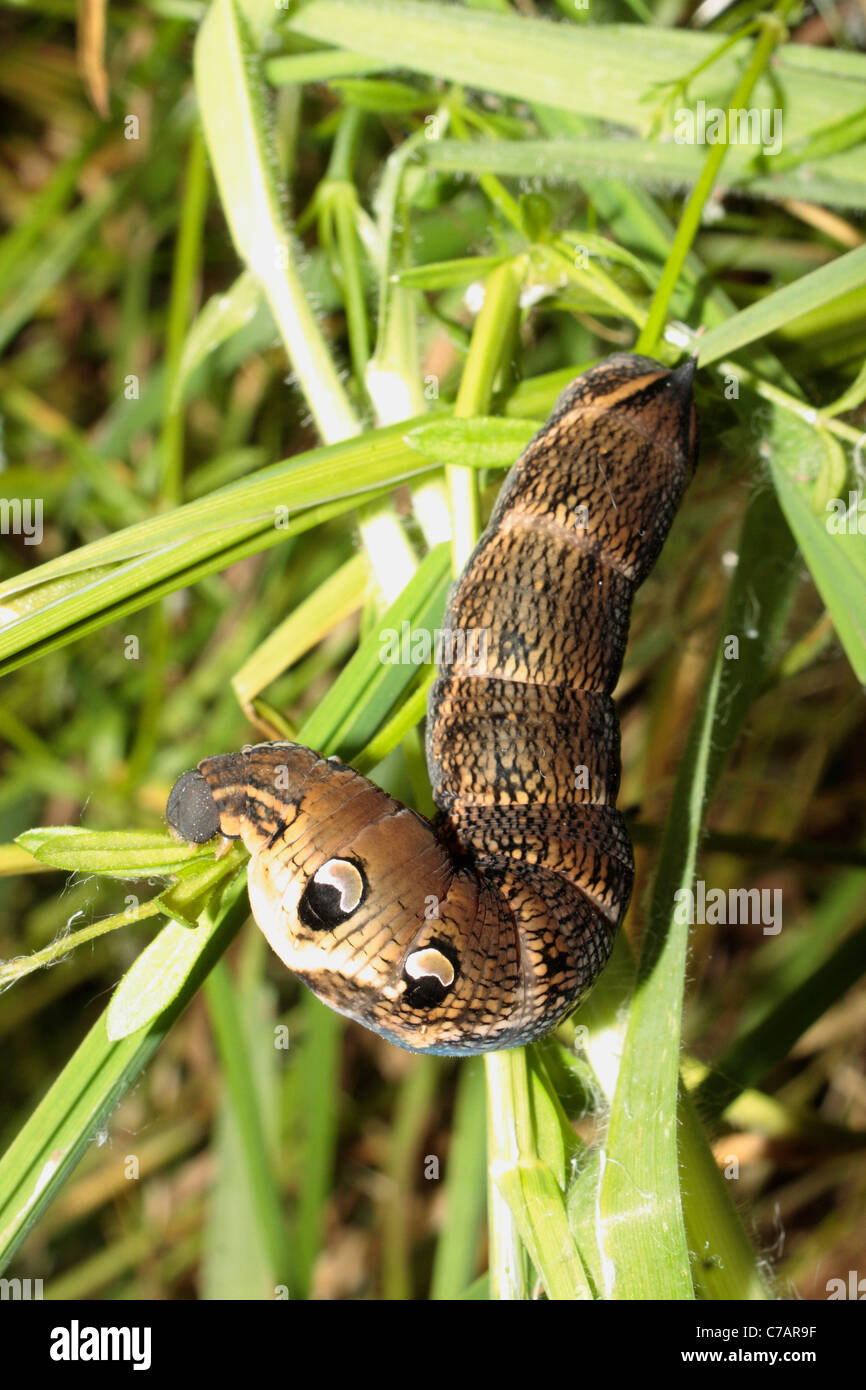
[519, 885]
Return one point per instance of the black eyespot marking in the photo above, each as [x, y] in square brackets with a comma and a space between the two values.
[430, 973]
[334, 892]
[191, 809]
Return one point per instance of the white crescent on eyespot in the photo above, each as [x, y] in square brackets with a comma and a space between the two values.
[429, 961]
[345, 876]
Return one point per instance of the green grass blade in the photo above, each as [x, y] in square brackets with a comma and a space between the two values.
[643, 1243]
[317, 1095]
[44, 267]
[411, 1118]
[486, 442]
[181, 307]
[222, 316]
[57, 192]
[836, 559]
[656, 166]
[160, 972]
[235, 1262]
[318, 67]
[724, 1264]
[49, 1145]
[236, 1066]
[822, 286]
[528, 1184]
[261, 511]
[339, 596]
[771, 30]
[370, 684]
[456, 1257]
[233, 105]
[602, 71]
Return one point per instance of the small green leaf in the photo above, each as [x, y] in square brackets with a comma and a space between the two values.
[536, 214]
[603, 248]
[372, 95]
[187, 897]
[117, 853]
[832, 478]
[290, 68]
[223, 316]
[444, 275]
[482, 442]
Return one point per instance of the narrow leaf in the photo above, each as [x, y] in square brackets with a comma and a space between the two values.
[483, 442]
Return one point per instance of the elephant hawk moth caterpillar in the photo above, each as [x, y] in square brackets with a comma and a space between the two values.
[528, 865]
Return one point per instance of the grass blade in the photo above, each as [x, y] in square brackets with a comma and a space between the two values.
[456, 1256]
[644, 1244]
[233, 105]
[830, 282]
[49, 1145]
[602, 71]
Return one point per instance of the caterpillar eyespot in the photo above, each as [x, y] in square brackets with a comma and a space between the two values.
[429, 974]
[528, 862]
[335, 891]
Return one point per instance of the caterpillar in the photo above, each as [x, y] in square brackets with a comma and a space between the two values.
[484, 928]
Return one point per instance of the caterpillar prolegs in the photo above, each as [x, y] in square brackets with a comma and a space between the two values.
[482, 929]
